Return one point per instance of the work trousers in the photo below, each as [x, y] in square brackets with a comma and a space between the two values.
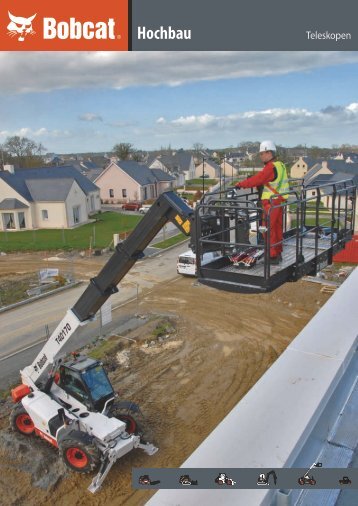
[276, 225]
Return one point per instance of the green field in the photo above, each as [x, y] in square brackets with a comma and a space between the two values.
[171, 241]
[199, 181]
[98, 234]
[311, 222]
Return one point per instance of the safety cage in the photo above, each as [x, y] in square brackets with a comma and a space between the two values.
[318, 220]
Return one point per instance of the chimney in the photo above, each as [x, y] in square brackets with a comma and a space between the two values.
[9, 168]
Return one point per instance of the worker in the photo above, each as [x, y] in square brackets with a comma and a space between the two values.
[272, 184]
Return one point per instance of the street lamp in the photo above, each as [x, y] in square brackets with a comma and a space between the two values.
[224, 169]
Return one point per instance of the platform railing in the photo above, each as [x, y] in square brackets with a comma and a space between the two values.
[342, 216]
[228, 209]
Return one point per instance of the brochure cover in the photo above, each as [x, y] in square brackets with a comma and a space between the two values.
[178, 251]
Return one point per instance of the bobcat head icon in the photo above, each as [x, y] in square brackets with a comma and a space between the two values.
[20, 27]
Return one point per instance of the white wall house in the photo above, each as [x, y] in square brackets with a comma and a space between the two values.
[46, 197]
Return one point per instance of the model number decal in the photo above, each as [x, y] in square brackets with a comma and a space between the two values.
[40, 363]
[64, 332]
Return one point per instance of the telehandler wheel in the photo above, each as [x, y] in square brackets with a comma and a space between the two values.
[79, 454]
[20, 420]
[132, 426]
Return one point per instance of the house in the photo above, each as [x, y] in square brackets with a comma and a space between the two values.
[46, 197]
[53, 160]
[348, 157]
[199, 155]
[236, 157]
[87, 168]
[179, 164]
[228, 168]
[351, 157]
[300, 168]
[208, 168]
[127, 180]
[331, 166]
[330, 171]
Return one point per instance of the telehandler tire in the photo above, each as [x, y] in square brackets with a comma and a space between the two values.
[20, 420]
[79, 453]
[132, 426]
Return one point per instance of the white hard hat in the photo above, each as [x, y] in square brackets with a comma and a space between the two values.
[267, 146]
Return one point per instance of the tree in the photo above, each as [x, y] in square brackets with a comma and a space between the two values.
[197, 148]
[123, 150]
[137, 156]
[23, 152]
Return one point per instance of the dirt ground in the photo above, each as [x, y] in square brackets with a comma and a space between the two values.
[22, 263]
[217, 345]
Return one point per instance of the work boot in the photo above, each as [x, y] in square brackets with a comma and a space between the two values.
[276, 260]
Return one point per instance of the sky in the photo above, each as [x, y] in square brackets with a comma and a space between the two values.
[90, 101]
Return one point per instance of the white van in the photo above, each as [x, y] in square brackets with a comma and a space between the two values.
[186, 263]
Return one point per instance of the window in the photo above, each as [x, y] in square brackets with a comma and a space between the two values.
[111, 193]
[97, 382]
[76, 214]
[44, 213]
[8, 221]
[22, 223]
[187, 260]
[124, 193]
[92, 202]
[71, 382]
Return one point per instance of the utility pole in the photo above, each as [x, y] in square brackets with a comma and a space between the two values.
[203, 174]
[224, 169]
[220, 176]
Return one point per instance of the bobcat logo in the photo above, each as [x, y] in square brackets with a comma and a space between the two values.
[19, 26]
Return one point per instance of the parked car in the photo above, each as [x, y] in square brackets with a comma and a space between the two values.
[131, 206]
[145, 208]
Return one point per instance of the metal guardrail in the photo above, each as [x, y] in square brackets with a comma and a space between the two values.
[222, 218]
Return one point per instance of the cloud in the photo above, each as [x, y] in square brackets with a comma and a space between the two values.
[203, 121]
[38, 134]
[332, 109]
[90, 116]
[279, 123]
[48, 71]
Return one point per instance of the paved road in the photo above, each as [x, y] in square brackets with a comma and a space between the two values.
[23, 327]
